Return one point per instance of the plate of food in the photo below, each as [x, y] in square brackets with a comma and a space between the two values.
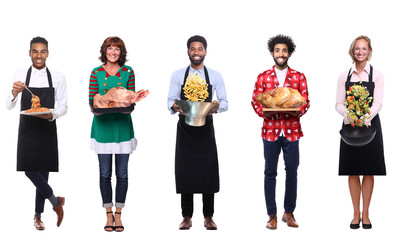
[281, 109]
[281, 100]
[117, 100]
[38, 111]
[130, 108]
[36, 108]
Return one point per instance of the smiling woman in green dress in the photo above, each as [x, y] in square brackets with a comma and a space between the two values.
[112, 133]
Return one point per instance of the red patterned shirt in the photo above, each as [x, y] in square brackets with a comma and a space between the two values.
[274, 125]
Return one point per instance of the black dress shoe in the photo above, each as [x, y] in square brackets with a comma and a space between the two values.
[355, 225]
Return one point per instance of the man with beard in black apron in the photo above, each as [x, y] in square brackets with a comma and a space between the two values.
[196, 164]
[37, 151]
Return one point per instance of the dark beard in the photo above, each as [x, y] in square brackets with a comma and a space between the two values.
[197, 62]
[283, 64]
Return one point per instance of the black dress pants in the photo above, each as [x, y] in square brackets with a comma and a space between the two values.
[187, 204]
[43, 190]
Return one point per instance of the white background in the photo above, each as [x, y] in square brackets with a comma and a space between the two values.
[155, 33]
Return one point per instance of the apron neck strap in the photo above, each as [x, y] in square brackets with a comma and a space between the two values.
[370, 76]
[349, 75]
[206, 75]
[29, 73]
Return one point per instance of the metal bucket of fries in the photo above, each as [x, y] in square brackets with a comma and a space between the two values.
[195, 112]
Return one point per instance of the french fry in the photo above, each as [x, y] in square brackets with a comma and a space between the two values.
[195, 89]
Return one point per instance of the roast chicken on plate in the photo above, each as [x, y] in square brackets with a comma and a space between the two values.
[118, 97]
[281, 98]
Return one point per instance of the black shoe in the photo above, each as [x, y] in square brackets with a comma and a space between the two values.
[367, 226]
[355, 225]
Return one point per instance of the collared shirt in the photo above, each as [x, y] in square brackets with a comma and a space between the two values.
[281, 75]
[378, 79]
[38, 79]
[215, 78]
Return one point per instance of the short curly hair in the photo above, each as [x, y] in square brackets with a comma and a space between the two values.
[197, 38]
[113, 41]
[282, 39]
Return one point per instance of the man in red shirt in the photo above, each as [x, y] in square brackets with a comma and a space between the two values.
[281, 130]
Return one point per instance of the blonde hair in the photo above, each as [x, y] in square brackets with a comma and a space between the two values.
[351, 48]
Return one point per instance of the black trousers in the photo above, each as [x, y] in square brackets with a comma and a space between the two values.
[187, 204]
[43, 190]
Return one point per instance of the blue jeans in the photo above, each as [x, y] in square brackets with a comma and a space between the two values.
[292, 159]
[105, 167]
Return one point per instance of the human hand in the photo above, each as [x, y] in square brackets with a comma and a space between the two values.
[293, 113]
[351, 119]
[17, 87]
[269, 114]
[176, 108]
[45, 116]
[96, 114]
[217, 108]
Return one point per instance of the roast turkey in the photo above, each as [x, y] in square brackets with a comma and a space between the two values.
[281, 98]
[118, 97]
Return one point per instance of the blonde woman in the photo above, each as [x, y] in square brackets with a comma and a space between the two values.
[367, 160]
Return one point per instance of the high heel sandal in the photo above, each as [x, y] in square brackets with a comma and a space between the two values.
[118, 227]
[110, 228]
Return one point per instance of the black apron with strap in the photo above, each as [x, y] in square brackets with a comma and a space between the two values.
[37, 138]
[368, 159]
[196, 164]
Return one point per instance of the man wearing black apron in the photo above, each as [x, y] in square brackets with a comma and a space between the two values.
[37, 151]
[196, 164]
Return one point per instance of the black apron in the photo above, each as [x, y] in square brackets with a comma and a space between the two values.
[196, 164]
[37, 138]
[368, 159]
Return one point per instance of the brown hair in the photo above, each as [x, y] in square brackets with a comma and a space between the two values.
[351, 48]
[113, 41]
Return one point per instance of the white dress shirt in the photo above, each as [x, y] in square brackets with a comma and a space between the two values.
[38, 79]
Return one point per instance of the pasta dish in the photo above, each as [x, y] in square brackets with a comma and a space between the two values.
[36, 106]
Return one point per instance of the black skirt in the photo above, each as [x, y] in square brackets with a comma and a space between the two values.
[364, 160]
